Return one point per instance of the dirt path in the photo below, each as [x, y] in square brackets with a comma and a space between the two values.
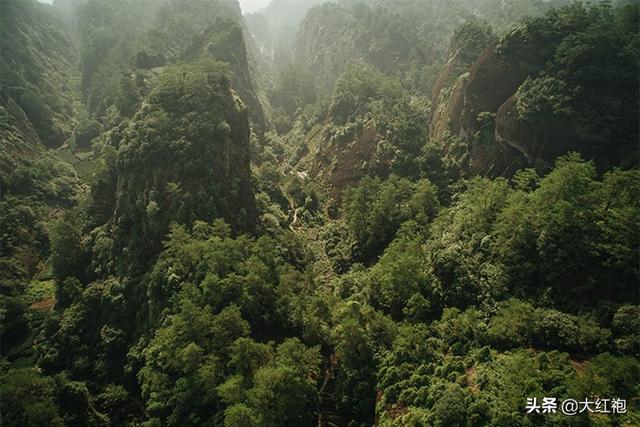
[45, 304]
[295, 219]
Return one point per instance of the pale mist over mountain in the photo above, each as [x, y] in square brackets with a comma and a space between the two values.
[248, 6]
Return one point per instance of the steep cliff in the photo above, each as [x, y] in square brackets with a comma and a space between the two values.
[333, 35]
[405, 41]
[542, 91]
[223, 40]
[184, 157]
[339, 160]
[404, 38]
[141, 35]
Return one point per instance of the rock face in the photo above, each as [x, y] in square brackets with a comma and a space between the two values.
[184, 157]
[528, 140]
[489, 86]
[339, 161]
[527, 100]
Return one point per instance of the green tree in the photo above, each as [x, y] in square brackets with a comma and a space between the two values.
[471, 37]
[281, 396]
[29, 399]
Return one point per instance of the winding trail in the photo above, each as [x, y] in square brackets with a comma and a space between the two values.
[295, 218]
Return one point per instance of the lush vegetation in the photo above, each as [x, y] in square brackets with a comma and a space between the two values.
[36, 108]
[564, 90]
[393, 213]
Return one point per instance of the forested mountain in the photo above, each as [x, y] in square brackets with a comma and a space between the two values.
[405, 38]
[383, 59]
[543, 89]
[354, 213]
[35, 99]
[125, 37]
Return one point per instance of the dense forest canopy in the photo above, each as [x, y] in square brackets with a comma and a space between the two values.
[346, 213]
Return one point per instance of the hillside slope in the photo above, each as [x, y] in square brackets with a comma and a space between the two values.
[36, 55]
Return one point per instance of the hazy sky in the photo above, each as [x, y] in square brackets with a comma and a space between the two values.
[247, 6]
